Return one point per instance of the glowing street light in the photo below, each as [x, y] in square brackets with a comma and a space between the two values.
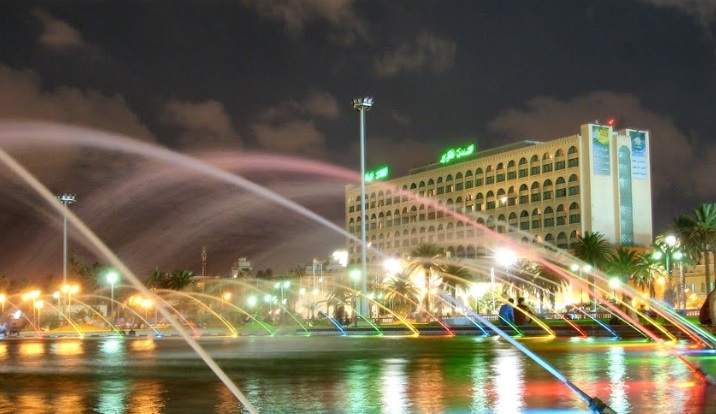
[667, 251]
[112, 278]
[2, 301]
[66, 199]
[226, 297]
[146, 304]
[505, 258]
[38, 306]
[69, 290]
[362, 105]
[574, 267]
[33, 295]
[614, 283]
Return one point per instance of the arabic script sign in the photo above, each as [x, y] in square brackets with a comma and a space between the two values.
[456, 153]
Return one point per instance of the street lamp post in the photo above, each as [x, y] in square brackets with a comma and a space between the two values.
[225, 298]
[577, 268]
[112, 277]
[505, 258]
[362, 105]
[66, 199]
[614, 283]
[69, 290]
[355, 275]
[667, 251]
[38, 306]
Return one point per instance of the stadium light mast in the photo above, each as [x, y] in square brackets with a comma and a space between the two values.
[363, 105]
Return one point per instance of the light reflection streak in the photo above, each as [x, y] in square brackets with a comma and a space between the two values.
[428, 394]
[480, 391]
[146, 397]
[114, 395]
[617, 377]
[509, 381]
[394, 386]
[67, 348]
[357, 378]
[142, 345]
[32, 349]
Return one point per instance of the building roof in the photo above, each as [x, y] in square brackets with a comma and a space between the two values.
[478, 155]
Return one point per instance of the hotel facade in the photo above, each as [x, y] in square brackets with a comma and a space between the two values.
[598, 180]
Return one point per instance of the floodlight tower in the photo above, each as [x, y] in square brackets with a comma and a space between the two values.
[363, 105]
[65, 199]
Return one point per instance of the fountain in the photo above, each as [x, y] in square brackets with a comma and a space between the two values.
[420, 371]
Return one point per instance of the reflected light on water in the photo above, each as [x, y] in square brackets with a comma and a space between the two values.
[112, 347]
[356, 382]
[429, 393]
[114, 394]
[394, 383]
[617, 376]
[146, 397]
[66, 404]
[32, 349]
[509, 381]
[480, 390]
[143, 345]
[67, 348]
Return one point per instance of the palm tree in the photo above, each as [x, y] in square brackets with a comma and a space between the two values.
[624, 265]
[426, 256]
[644, 277]
[547, 280]
[179, 279]
[157, 279]
[339, 296]
[454, 275]
[698, 233]
[400, 286]
[593, 249]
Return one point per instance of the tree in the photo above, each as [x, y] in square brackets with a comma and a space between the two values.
[593, 249]
[546, 279]
[179, 279]
[697, 232]
[644, 277]
[265, 274]
[401, 286]
[453, 275]
[157, 279]
[623, 264]
[425, 257]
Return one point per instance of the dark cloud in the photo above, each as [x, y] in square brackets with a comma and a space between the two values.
[427, 51]
[57, 34]
[201, 124]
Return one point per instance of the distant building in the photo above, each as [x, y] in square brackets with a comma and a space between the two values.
[598, 181]
[241, 267]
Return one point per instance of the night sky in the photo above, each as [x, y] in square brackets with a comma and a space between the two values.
[263, 89]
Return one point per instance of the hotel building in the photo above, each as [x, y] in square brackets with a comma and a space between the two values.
[597, 180]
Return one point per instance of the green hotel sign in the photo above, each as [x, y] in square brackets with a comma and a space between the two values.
[380, 173]
[454, 154]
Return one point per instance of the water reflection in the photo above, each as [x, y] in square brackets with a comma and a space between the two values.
[427, 394]
[394, 386]
[508, 370]
[146, 397]
[115, 393]
[145, 376]
[617, 379]
[479, 375]
[67, 348]
[32, 349]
